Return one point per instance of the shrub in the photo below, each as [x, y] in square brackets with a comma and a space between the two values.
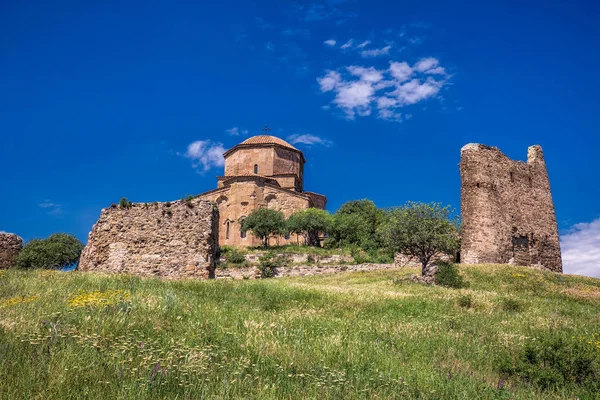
[465, 301]
[269, 262]
[188, 201]
[360, 256]
[553, 362]
[55, 252]
[512, 305]
[234, 256]
[447, 275]
[124, 203]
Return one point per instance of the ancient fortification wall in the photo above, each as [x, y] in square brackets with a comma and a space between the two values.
[507, 210]
[173, 240]
[10, 246]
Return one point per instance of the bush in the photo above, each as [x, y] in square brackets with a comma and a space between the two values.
[465, 301]
[512, 305]
[124, 203]
[448, 276]
[55, 252]
[553, 361]
[234, 256]
[269, 262]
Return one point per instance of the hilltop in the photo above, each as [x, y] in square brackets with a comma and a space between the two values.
[350, 335]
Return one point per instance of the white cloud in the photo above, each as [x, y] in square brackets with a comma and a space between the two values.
[329, 81]
[347, 45]
[308, 139]
[366, 74]
[330, 42]
[429, 65]
[51, 208]
[581, 249]
[205, 154]
[363, 44]
[358, 89]
[235, 131]
[376, 52]
[269, 46]
[400, 70]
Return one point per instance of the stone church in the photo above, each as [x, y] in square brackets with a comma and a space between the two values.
[262, 171]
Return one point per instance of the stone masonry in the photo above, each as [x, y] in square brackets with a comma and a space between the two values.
[174, 240]
[10, 246]
[507, 210]
[262, 171]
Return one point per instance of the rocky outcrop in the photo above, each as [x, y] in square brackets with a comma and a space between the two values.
[10, 246]
[173, 240]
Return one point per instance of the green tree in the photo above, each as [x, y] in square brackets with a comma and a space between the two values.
[309, 223]
[420, 230]
[264, 222]
[355, 224]
[57, 251]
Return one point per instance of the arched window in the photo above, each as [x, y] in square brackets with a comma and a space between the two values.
[227, 231]
[255, 168]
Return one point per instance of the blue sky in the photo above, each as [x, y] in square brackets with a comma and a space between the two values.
[101, 100]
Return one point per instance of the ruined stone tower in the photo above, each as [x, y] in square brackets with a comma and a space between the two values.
[507, 210]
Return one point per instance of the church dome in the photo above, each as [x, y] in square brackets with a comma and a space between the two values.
[267, 139]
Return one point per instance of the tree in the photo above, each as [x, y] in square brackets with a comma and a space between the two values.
[420, 230]
[264, 222]
[355, 224]
[55, 252]
[309, 223]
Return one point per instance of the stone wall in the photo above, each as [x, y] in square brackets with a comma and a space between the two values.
[299, 270]
[175, 240]
[10, 246]
[507, 210]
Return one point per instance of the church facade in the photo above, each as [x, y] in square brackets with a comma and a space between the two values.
[262, 171]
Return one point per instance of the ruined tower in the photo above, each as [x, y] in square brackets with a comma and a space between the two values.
[507, 210]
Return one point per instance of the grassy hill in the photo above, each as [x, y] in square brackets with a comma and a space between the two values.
[513, 333]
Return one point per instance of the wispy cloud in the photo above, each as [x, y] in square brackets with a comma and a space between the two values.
[316, 12]
[51, 208]
[347, 45]
[235, 131]
[364, 44]
[376, 52]
[308, 140]
[269, 46]
[301, 32]
[263, 24]
[581, 249]
[358, 90]
[330, 42]
[205, 154]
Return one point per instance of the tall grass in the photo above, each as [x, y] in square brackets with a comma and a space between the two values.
[354, 335]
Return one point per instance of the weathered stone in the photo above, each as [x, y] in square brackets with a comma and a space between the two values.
[10, 246]
[507, 210]
[299, 270]
[174, 240]
[262, 171]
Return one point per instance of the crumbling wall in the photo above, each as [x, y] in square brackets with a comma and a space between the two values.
[507, 210]
[174, 240]
[10, 246]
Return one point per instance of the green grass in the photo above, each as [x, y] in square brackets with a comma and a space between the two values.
[352, 335]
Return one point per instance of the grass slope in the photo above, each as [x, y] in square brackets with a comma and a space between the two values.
[354, 335]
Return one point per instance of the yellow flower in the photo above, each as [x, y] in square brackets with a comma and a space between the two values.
[98, 298]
